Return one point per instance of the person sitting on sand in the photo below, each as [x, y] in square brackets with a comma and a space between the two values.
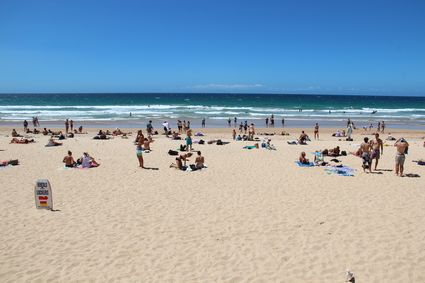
[175, 136]
[303, 138]
[302, 159]
[51, 142]
[199, 161]
[15, 134]
[88, 161]
[238, 138]
[390, 137]
[80, 129]
[146, 144]
[69, 160]
[45, 132]
[21, 141]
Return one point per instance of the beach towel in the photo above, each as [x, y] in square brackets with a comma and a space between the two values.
[340, 170]
[249, 147]
[199, 134]
[311, 164]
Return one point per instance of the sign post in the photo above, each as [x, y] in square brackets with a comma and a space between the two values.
[43, 194]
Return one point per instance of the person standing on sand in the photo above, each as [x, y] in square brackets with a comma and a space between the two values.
[377, 149]
[283, 122]
[382, 126]
[272, 121]
[316, 131]
[402, 146]
[365, 154]
[71, 123]
[236, 121]
[66, 126]
[234, 134]
[203, 123]
[267, 122]
[139, 150]
[25, 126]
[229, 122]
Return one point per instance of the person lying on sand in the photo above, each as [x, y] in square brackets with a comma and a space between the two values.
[303, 159]
[69, 160]
[21, 141]
[12, 162]
[52, 142]
[15, 134]
[332, 152]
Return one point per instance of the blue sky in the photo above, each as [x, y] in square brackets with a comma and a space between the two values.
[346, 47]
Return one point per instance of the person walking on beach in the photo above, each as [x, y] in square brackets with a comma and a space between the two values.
[71, 124]
[272, 121]
[166, 128]
[66, 126]
[267, 122]
[229, 122]
[382, 126]
[365, 154]
[25, 126]
[203, 123]
[316, 131]
[378, 128]
[377, 150]
[240, 127]
[245, 126]
[402, 146]
[236, 121]
[149, 127]
[283, 122]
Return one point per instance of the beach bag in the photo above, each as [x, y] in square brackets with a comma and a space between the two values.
[201, 142]
[343, 153]
[173, 152]
[219, 142]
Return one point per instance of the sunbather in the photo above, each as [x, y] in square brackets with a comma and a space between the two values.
[69, 160]
[15, 134]
[303, 159]
[303, 138]
[21, 141]
[88, 161]
[52, 142]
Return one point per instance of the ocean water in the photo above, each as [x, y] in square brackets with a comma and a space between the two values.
[214, 107]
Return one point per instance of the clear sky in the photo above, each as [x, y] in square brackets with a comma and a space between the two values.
[298, 46]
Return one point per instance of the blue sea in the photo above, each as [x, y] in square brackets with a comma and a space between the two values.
[216, 108]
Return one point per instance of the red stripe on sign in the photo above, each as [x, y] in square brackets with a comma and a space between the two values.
[43, 198]
[43, 202]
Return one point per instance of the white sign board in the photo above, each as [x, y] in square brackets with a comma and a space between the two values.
[43, 194]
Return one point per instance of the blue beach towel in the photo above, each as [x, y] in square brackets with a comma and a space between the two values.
[340, 171]
[311, 164]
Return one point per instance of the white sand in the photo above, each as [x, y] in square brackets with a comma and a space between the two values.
[253, 215]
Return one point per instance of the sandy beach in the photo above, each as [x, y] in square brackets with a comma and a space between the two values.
[251, 216]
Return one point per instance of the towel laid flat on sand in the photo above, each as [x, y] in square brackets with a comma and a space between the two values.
[340, 171]
[311, 164]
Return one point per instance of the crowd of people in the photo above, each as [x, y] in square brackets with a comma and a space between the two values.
[370, 151]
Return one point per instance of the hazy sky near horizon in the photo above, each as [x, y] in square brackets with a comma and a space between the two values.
[307, 46]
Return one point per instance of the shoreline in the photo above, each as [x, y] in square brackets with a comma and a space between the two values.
[218, 123]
